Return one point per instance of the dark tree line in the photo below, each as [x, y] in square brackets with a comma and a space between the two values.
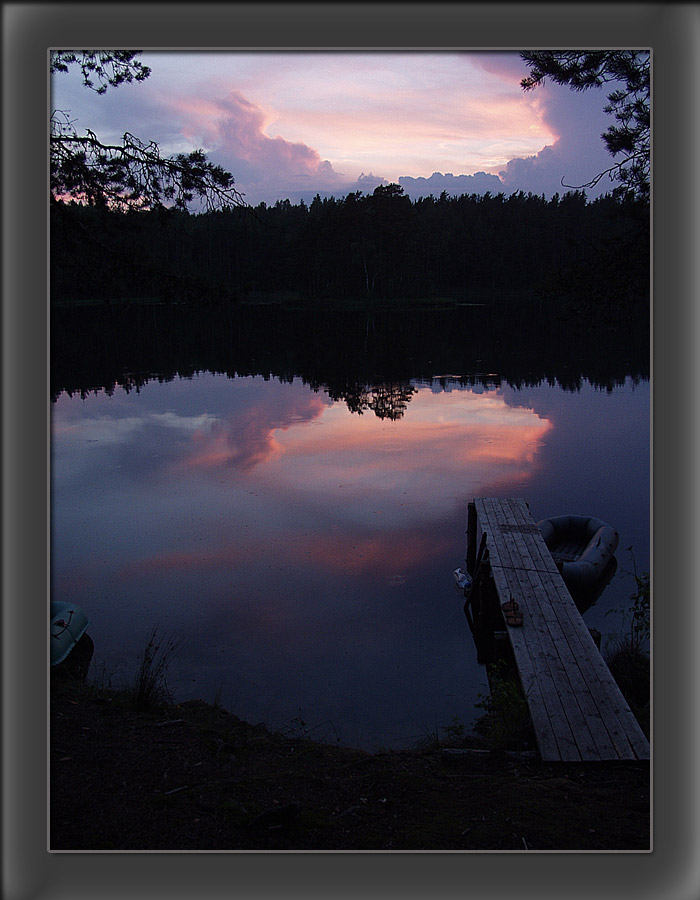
[567, 255]
[370, 360]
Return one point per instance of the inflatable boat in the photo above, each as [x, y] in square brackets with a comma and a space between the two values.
[582, 548]
[68, 624]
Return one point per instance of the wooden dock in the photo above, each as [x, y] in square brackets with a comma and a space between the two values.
[577, 709]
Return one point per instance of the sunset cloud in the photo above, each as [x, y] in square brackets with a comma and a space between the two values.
[289, 125]
[477, 439]
[345, 551]
[248, 438]
[234, 130]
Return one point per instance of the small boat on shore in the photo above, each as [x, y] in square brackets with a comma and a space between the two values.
[582, 548]
[68, 623]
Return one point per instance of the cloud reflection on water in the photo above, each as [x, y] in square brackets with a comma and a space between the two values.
[331, 490]
[292, 541]
[459, 434]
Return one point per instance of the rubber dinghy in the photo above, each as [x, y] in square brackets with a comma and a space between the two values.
[581, 546]
[67, 625]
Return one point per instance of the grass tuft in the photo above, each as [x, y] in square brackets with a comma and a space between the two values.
[150, 689]
[631, 668]
[506, 723]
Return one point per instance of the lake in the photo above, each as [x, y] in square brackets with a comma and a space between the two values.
[289, 500]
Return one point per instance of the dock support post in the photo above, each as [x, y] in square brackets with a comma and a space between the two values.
[471, 537]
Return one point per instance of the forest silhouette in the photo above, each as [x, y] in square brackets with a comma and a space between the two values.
[359, 297]
[371, 360]
[567, 257]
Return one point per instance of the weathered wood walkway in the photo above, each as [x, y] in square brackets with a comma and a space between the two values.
[577, 709]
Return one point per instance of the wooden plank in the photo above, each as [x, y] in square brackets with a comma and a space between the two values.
[607, 695]
[592, 734]
[621, 723]
[594, 672]
[583, 698]
[528, 676]
[531, 658]
[539, 644]
[577, 709]
[572, 691]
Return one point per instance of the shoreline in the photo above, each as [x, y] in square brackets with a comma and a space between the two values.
[192, 776]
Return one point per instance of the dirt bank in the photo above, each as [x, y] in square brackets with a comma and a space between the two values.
[191, 776]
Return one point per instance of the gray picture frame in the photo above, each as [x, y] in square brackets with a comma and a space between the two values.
[672, 31]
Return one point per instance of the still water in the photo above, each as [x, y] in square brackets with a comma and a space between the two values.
[303, 552]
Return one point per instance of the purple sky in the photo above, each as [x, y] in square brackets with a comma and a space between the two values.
[293, 124]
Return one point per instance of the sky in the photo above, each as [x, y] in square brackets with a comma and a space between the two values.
[290, 125]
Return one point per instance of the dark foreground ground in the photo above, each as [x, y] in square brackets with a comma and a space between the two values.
[194, 777]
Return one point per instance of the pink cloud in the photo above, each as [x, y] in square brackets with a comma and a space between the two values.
[382, 129]
[248, 439]
[297, 124]
[382, 554]
[345, 552]
[358, 447]
[241, 132]
[233, 129]
[179, 561]
[507, 65]
[574, 152]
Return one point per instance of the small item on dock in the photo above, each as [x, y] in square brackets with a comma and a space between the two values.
[462, 579]
[511, 613]
[581, 546]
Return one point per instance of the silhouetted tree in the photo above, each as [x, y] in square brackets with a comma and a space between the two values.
[629, 103]
[131, 174]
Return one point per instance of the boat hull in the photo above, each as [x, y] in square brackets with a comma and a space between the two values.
[582, 547]
[68, 624]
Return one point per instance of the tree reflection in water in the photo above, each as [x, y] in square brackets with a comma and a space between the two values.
[219, 481]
